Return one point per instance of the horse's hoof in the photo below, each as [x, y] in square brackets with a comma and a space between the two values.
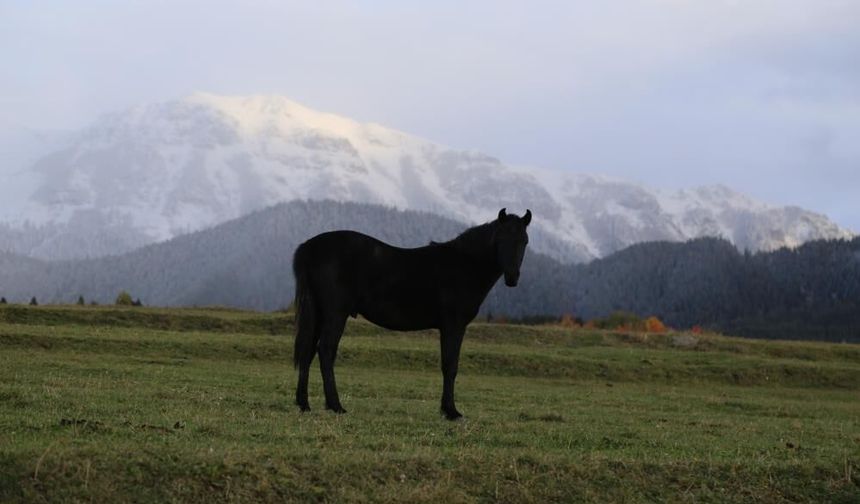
[452, 415]
[337, 409]
[304, 407]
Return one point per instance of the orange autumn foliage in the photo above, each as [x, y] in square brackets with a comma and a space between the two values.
[568, 320]
[654, 325]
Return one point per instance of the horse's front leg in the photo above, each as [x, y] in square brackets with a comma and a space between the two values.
[451, 338]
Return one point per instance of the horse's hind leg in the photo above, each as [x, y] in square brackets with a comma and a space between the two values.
[302, 387]
[330, 335]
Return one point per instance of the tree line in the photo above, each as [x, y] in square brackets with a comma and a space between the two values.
[811, 292]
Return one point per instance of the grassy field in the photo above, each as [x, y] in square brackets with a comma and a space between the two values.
[103, 404]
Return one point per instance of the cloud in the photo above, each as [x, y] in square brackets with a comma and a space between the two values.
[755, 94]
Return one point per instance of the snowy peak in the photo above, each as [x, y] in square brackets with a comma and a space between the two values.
[160, 170]
[254, 115]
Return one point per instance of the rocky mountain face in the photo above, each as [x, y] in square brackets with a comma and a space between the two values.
[163, 170]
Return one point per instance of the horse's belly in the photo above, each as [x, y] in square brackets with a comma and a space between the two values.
[399, 318]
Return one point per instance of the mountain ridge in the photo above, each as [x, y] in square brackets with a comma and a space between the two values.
[160, 170]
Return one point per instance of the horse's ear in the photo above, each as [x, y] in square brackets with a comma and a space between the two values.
[527, 217]
[502, 214]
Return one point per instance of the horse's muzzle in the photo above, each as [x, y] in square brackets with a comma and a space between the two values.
[512, 279]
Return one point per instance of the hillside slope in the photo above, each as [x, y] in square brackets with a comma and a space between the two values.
[166, 405]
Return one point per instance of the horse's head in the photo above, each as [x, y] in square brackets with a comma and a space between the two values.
[511, 240]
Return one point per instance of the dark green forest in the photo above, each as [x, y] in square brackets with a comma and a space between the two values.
[811, 292]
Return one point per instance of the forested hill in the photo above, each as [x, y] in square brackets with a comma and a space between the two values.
[247, 262]
[812, 292]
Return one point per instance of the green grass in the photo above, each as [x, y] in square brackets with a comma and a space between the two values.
[103, 404]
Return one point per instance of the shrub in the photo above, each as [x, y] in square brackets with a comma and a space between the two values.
[568, 320]
[654, 325]
[124, 299]
[81, 301]
[33, 301]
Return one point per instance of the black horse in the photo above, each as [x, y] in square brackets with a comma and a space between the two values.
[441, 286]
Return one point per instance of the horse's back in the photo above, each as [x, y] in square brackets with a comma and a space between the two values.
[334, 245]
[392, 286]
[350, 258]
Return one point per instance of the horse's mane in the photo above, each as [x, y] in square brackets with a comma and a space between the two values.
[473, 241]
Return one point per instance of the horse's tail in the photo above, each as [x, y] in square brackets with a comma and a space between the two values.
[306, 330]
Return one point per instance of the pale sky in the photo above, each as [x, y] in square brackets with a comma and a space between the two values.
[760, 95]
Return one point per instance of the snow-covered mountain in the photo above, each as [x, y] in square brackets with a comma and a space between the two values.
[161, 170]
